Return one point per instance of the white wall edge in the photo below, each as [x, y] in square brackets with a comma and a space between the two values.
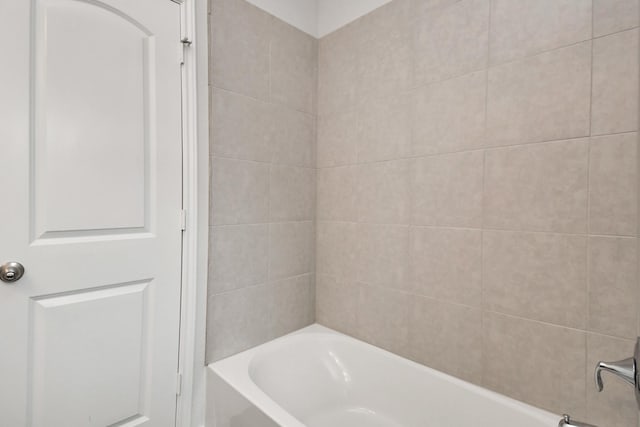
[191, 402]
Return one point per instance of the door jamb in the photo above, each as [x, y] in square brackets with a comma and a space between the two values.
[190, 401]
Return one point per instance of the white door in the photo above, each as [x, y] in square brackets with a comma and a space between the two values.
[90, 200]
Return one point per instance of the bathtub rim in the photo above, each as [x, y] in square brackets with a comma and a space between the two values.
[235, 372]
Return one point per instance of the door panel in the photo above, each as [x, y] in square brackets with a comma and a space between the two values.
[103, 356]
[86, 124]
[90, 138]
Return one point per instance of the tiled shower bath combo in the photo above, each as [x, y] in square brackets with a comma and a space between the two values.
[454, 181]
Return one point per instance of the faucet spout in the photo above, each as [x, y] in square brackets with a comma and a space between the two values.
[566, 421]
[624, 369]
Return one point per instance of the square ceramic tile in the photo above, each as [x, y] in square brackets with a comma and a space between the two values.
[613, 286]
[337, 193]
[611, 16]
[542, 98]
[240, 48]
[449, 116]
[239, 192]
[450, 40]
[337, 73]
[238, 320]
[446, 264]
[336, 304]
[538, 187]
[290, 249]
[293, 61]
[390, 331]
[454, 346]
[383, 62]
[537, 276]
[239, 127]
[291, 136]
[447, 190]
[384, 131]
[238, 256]
[337, 139]
[294, 304]
[391, 19]
[336, 247]
[613, 185]
[382, 255]
[383, 192]
[615, 83]
[534, 362]
[521, 28]
[292, 193]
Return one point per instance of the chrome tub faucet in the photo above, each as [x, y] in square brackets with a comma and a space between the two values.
[566, 421]
[626, 369]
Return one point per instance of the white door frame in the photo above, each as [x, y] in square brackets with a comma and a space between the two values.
[195, 122]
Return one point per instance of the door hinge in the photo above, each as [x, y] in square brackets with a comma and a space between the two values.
[183, 220]
[178, 384]
[184, 43]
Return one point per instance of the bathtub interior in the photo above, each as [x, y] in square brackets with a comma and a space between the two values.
[323, 378]
[313, 366]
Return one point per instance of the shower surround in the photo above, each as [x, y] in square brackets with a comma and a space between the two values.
[262, 235]
[476, 190]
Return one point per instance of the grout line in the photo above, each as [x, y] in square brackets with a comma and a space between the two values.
[553, 325]
[483, 344]
[410, 174]
[532, 55]
[584, 330]
[267, 101]
[269, 226]
[474, 150]
[246, 224]
[490, 66]
[588, 216]
[263, 162]
[638, 219]
[635, 27]
[604, 135]
[449, 227]
[637, 297]
[314, 308]
[588, 213]
[268, 282]
[270, 65]
[488, 311]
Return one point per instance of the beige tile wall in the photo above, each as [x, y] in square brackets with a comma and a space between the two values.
[476, 189]
[477, 192]
[263, 128]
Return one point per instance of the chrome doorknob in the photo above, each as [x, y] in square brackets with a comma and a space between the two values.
[11, 272]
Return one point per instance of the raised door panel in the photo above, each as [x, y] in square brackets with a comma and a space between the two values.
[89, 356]
[93, 120]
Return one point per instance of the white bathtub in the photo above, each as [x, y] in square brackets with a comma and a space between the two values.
[318, 377]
